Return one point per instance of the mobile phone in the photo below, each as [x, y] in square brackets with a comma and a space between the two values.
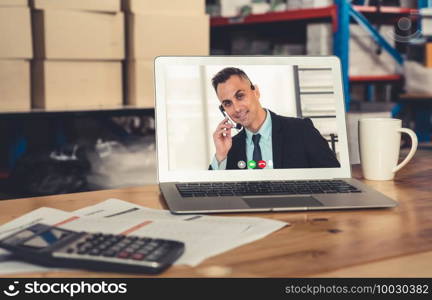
[237, 126]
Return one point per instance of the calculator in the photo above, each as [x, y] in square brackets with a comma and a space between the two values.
[56, 247]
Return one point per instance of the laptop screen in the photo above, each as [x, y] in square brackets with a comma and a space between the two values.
[216, 115]
[224, 117]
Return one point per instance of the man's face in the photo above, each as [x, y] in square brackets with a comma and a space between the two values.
[239, 100]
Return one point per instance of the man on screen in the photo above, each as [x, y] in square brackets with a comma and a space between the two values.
[281, 142]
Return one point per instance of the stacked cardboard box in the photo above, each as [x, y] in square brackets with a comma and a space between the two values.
[316, 3]
[13, 3]
[408, 3]
[15, 54]
[319, 39]
[155, 28]
[79, 49]
[363, 57]
[426, 21]
[429, 55]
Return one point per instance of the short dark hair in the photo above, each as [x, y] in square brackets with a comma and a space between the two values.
[224, 74]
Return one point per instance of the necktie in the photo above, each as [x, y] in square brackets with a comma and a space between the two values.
[256, 156]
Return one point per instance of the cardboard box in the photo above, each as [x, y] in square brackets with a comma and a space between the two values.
[153, 35]
[140, 83]
[88, 5]
[15, 33]
[14, 85]
[428, 55]
[165, 6]
[408, 3]
[319, 39]
[76, 84]
[363, 59]
[418, 78]
[316, 3]
[231, 8]
[426, 21]
[61, 34]
[13, 3]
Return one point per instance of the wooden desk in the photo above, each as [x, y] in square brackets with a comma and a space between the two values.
[352, 243]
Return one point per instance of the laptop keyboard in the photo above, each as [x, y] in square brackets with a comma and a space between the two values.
[250, 188]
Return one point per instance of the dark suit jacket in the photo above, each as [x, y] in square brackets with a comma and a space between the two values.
[296, 144]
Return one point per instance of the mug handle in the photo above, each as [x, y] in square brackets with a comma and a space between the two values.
[413, 149]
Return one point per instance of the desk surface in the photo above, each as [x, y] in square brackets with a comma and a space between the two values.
[352, 243]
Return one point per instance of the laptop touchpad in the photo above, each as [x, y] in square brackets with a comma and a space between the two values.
[297, 201]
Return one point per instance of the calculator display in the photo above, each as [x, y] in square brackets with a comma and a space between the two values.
[45, 239]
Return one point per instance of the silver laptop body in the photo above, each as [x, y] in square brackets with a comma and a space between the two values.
[297, 87]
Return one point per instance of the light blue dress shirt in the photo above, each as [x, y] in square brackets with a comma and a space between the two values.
[265, 145]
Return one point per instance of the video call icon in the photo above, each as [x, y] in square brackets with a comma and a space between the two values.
[270, 164]
[252, 164]
[241, 164]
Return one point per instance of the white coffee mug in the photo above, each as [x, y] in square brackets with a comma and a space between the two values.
[379, 143]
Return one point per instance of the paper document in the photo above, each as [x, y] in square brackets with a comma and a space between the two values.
[204, 236]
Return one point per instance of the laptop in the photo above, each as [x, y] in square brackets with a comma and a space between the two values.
[251, 134]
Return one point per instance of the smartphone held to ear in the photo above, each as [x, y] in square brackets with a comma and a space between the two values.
[237, 126]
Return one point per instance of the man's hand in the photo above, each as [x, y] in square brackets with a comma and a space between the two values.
[222, 139]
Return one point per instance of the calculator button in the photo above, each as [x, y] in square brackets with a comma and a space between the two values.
[114, 240]
[146, 249]
[157, 254]
[124, 254]
[109, 253]
[129, 240]
[94, 252]
[102, 247]
[116, 249]
[121, 245]
[153, 244]
[85, 245]
[100, 240]
[143, 251]
[135, 246]
[153, 257]
[138, 256]
[83, 251]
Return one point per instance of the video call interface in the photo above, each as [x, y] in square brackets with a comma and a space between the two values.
[250, 117]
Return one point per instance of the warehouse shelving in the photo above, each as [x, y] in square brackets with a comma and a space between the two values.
[289, 15]
[34, 113]
[386, 10]
[339, 15]
[376, 78]
[308, 14]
